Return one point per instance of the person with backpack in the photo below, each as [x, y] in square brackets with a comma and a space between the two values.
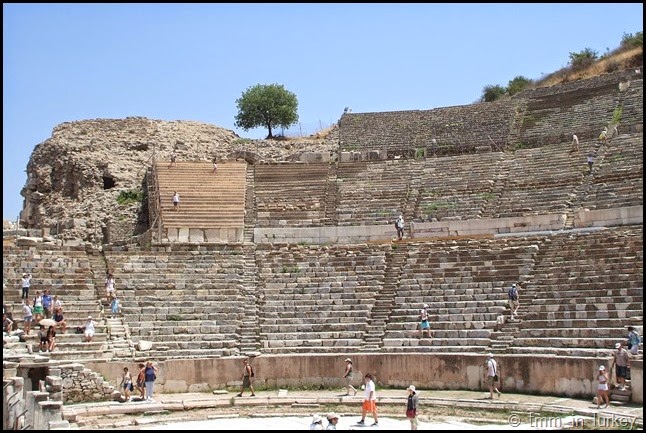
[247, 378]
[513, 300]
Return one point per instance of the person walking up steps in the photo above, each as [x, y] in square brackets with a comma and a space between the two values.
[175, 200]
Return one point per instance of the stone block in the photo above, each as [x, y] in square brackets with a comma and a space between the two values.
[196, 235]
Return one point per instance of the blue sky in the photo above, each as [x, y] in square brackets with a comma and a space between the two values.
[64, 62]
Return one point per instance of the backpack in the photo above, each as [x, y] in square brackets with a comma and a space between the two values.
[252, 373]
[513, 294]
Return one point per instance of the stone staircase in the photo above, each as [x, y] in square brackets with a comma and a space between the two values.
[331, 196]
[250, 206]
[385, 300]
[119, 337]
[250, 330]
[211, 207]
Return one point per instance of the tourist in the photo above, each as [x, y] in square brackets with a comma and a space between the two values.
[514, 303]
[175, 200]
[369, 401]
[491, 375]
[411, 407]
[141, 380]
[348, 375]
[26, 283]
[150, 375]
[399, 225]
[317, 422]
[602, 388]
[215, 166]
[633, 341]
[109, 287]
[126, 383]
[51, 338]
[333, 420]
[247, 378]
[88, 329]
[42, 338]
[424, 324]
[622, 363]
[38, 306]
[7, 323]
[27, 316]
[47, 303]
[60, 320]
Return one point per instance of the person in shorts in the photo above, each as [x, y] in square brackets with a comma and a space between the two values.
[621, 361]
[424, 324]
[369, 401]
[27, 316]
[141, 380]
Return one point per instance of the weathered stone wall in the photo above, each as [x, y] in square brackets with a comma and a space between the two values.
[81, 384]
[564, 376]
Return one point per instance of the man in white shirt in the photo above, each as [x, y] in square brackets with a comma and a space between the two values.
[491, 375]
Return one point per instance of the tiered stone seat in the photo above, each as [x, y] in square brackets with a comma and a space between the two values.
[587, 287]
[187, 302]
[457, 187]
[317, 299]
[618, 179]
[538, 181]
[207, 200]
[464, 283]
[67, 273]
[581, 107]
[375, 195]
[290, 194]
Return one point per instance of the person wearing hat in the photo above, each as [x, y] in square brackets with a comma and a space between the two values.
[348, 375]
[411, 407]
[491, 376]
[622, 363]
[424, 324]
[317, 422]
[602, 388]
[88, 329]
[26, 283]
[333, 420]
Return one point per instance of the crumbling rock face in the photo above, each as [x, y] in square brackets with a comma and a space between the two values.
[75, 176]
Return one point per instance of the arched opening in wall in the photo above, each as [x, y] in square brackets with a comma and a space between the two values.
[108, 182]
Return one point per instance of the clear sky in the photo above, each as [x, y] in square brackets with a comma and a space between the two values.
[65, 62]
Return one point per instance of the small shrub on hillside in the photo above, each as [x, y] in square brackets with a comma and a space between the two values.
[130, 196]
[518, 84]
[583, 59]
[630, 41]
[491, 93]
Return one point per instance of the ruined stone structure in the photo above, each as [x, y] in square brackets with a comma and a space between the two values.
[296, 263]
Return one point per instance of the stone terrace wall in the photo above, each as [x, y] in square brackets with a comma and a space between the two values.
[583, 107]
[455, 129]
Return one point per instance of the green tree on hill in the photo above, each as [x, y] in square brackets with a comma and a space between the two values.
[268, 105]
[518, 84]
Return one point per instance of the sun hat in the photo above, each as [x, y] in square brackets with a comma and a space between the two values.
[489, 355]
[602, 368]
[617, 345]
[316, 418]
[425, 305]
[348, 360]
[411, 388]
[332, 415]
